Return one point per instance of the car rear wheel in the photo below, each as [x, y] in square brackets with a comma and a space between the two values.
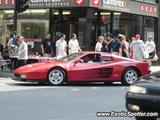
[129, 76]
[56, 76]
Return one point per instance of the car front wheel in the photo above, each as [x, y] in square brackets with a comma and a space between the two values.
[129, 76]
[56, 76]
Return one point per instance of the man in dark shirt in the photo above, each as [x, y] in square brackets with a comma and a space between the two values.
[117, 47]
[47, 46]
[114, 45]
[110, 42]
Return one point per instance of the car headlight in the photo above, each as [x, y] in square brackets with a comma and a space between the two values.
[23, 76]
[137, 89]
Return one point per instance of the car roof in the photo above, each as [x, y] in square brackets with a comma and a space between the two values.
[94, 52]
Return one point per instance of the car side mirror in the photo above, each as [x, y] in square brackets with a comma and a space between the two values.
[78, 61]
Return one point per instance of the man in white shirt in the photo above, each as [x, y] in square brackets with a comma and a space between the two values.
[138, 50]
[73, 44]
[22, 52]
[61, 47]
[151, 47]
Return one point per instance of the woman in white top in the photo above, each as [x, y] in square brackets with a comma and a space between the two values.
[99, 43]
[151, 47]
[73, 45]
[61, 47]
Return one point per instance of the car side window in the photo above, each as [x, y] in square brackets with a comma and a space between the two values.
[91, 58]
[107, 58]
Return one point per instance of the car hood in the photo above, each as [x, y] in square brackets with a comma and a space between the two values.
[148, 84]
[43, 66]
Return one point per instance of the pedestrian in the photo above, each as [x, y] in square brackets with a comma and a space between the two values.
[125, 45]
[151, 47]
[22, 55]
[11, 41]
[110, 40]
[99, 43]
[114, 45]
[104, 47]
[73, 44]
[138, 50]
[61, 47]
[47, 46]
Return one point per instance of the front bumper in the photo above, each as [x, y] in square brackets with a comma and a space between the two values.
[29, 77]
[27, 80]
[145, 102]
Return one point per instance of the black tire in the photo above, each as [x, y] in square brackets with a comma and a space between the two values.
[56, 76]
[129, 76]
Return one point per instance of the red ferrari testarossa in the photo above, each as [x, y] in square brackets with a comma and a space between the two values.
[84, 66]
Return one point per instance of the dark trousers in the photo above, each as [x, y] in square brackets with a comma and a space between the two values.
[21, 63]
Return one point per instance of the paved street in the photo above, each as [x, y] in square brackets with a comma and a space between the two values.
[22, 101]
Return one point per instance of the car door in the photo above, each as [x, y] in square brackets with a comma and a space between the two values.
[88, 71]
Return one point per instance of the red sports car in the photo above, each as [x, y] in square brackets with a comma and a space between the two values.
[84, 66]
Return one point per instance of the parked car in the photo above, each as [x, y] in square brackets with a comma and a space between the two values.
[84, 66]
[144, 96]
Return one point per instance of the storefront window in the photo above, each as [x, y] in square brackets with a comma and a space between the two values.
[105, 22]
[33, 30]
[33, 24]
[149, 27]
[127, 24]
[6, 25]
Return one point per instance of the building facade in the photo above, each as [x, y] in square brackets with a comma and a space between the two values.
[87, 18]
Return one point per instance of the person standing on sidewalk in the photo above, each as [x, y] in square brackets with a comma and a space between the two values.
[22, 52]
[151, 47]
[99, 43]
[11, 41]
[46, 46]
[138, 50]
[73, 44]
[61, 47]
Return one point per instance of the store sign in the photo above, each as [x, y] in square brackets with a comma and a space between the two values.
[7, 3]
[118, 5]
[78, 2]
[49, 3]
[132, 7]
[148, 1]
[96, 3]
[148, 8]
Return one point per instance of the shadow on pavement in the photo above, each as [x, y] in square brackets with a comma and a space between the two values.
[79, 84]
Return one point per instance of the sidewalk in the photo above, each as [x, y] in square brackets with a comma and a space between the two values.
[6, 75]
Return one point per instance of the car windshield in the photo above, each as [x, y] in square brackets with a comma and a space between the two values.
[70, 57]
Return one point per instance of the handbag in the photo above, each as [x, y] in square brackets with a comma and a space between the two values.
[144, 52]
[155, 58]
